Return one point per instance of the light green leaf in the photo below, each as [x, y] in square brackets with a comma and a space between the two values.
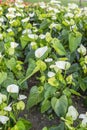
[11, 63]
[24, 40]
[60, 105]
[36, 96]
[46, 104]
[58, 47]
[74, 41]
[3, 76]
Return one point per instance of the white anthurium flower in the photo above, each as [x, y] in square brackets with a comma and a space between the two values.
[14, 44]
[55, 2]
[25, 20]
[22, 97]
[1, 19]
[41, 51]
[18, 14]
[27, 31]
[3, 97]
[13, 88]
[33, 36]
[42, 36]
[10, 15]
[70, 15]
[11, 9]
[51, 74]
[31, 14]
[82, 50]
[84, 121]
[48, 60]
[42, 5]
[72, 112]
[9, 30]
[19, 5]
[8, 108]
[63, 65]
[72, 6]
[3, 119]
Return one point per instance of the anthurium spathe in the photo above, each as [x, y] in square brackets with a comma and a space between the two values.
[3, 119]
[63, 65]
[72, 112]
[84, 119]
[41, 51]
[13, 88]
[82, 50]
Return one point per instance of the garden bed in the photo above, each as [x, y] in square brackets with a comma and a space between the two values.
[43, 66]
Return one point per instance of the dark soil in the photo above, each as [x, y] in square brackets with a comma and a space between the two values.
[39, 120]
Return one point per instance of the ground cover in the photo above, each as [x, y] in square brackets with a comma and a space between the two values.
[43, 66]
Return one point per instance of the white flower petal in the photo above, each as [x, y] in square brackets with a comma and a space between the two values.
[62, 64]
[82, 116]
[13, 88]
[41, 51]
[8, 108]
[82, 50]
[48, 60]
[22, 97]
[84, 122]
[51, 74]
[3, 119]
[14, 44]
[72, 112]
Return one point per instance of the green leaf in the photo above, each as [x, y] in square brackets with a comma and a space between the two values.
[3, 77]
[24, 40]
[58, 47]
[59, 127]
[26, 123]
[11, 63]
[49, 90]
[60, 105]
[35, 96]
[45, 24]
[12, 116]
[74, 40]
[45, 106]
[32, 69]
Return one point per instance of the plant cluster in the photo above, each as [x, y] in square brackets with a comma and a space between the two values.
[50, 40]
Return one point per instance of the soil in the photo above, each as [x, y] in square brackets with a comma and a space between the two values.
[39, 120]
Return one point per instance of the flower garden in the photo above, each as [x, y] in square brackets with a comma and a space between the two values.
[45, 43]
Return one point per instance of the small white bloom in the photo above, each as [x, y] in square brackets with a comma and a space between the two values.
[33, 43]
[3, 97]
[84, 121]
[72, 112]
[18, 14]
[27, 31]
[11, 9]
[22, 97]
[19, 5]
[70, 15]
[13, 44]
[82, 50]
[3, 119]
[9, 30]
[31, 14]
[48, 60]
[42, 36]
[10, 15]
[13, 88]
[63, 65]
[51, 74]
[25, 20]
[33, 36]
[72, 6]
[41, 51]
[42, 5]
[55, 2]
[8, 108]
[1, 19]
